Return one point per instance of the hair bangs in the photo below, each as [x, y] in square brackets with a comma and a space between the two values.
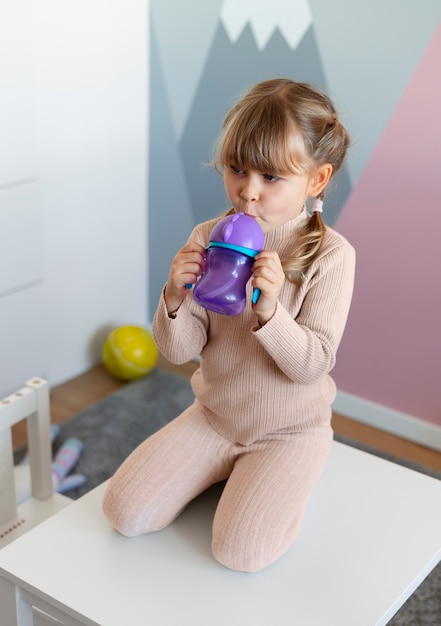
[261, 138]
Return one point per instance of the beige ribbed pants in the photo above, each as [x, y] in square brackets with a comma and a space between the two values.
[262, 505]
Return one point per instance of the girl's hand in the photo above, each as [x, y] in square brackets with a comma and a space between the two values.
[268, 276]
[187, 265]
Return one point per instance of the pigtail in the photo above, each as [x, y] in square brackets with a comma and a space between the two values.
[328, 140]
[306, 249]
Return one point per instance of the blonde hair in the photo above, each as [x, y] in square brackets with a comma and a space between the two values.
[284, 127]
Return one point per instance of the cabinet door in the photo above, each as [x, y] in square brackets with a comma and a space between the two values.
[24, 349]
[21, 249]
[17, 101]
[23, 344]
[22, 312]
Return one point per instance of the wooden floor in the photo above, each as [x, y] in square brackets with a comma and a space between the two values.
[70, 398]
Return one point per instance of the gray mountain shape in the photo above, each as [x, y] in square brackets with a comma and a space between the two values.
[183, 189]
[169, 212]
[230, 69]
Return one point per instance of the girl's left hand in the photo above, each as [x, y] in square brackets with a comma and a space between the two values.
[268, 276]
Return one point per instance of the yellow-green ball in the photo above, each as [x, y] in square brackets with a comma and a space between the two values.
[129, 352]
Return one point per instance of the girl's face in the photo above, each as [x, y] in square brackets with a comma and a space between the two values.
[271, 199]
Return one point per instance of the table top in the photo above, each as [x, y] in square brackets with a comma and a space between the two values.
[370, 535]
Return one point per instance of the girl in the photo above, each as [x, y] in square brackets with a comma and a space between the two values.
[262, 413]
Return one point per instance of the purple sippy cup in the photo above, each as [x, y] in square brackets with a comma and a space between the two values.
[234, 242]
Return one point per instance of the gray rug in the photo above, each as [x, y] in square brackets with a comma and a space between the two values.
[113, 427]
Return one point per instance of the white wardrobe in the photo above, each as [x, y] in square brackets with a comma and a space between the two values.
[73, 182]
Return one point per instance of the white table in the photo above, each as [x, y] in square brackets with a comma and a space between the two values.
[372, 533]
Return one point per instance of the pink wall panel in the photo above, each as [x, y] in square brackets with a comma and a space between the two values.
[391, 352]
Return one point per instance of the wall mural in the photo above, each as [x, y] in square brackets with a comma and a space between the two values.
[201, 61]
[204, 54]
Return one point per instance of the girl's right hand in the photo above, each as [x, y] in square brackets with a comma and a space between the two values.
[186, 267]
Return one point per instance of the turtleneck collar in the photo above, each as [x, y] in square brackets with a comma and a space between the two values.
[285, 231]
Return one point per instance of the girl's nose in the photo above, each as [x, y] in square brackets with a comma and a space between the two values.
[250, 190]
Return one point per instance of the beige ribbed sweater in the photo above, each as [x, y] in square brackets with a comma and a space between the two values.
[256, 381]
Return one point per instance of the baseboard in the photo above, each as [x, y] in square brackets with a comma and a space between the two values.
[389, 420]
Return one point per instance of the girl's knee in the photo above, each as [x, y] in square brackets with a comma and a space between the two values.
[248, 555]
[238, 561]
[246, 561]
[132, 514]
[117, 513]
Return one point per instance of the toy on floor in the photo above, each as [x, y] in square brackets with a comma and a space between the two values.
[130, 352]
[65, 460]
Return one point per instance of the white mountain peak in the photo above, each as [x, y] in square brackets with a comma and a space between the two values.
[291, 17]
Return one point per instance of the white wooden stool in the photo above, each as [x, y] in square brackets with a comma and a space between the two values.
[30, 403]
[371, 534]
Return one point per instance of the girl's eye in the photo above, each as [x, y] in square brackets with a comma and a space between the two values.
[235, 169]
[270, 177]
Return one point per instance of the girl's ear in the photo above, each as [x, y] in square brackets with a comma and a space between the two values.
[320, 179]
